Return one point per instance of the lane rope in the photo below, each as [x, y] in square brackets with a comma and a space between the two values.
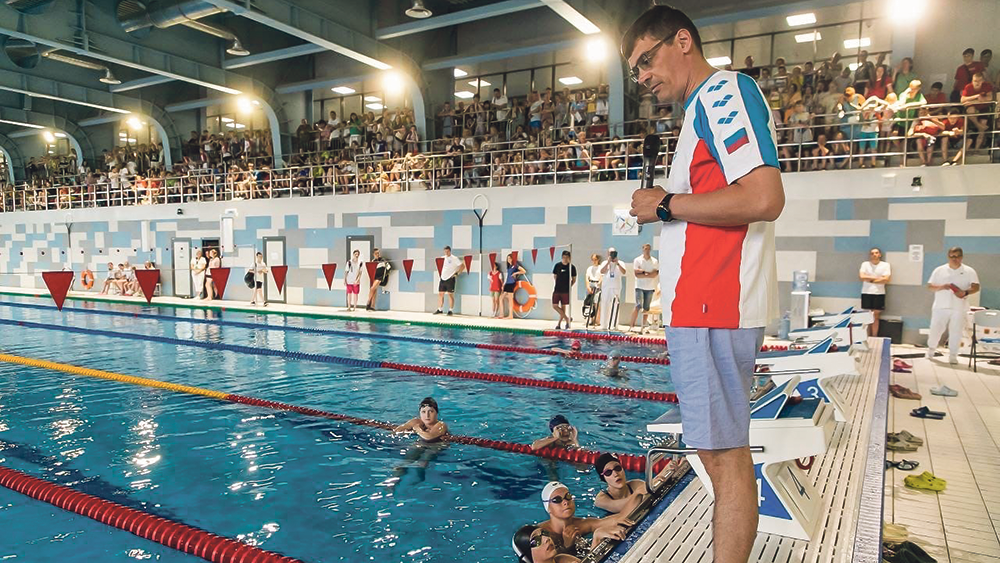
[169, 533]
[628, 461]
[368, 364]
[235, 306]
[345, 333]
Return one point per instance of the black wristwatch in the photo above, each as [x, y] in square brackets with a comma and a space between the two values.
[663, 209]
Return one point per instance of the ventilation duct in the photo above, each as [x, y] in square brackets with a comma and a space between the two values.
[235, 48]
[108, 78]
[134, 15]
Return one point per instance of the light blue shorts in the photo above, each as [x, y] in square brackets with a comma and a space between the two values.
[644, 298]
[712, 372]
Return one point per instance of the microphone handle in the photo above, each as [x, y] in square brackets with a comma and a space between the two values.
[648, 167]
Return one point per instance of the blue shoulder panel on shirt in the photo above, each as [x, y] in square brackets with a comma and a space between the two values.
[703, 129]
[759, 115]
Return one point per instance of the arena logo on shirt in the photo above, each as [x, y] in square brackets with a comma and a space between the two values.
[737, 140]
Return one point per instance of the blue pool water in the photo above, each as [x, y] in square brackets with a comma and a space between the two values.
[313, 489]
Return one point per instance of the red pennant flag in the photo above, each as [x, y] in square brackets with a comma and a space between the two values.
[58, 284]
[220, 276]
[147, 282]
[279, 273]
[372, 266]
[534, 255]
[329, 270]
[408, 267]
[514, 252]
[493, 259]
[468, 263]
[440, 263]
[552, 253]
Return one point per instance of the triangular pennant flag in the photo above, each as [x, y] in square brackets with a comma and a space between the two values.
[58, 284]
[220, 276]
[440, 263]
[408, 267]
[279, 273]
[493, 259]
[372, 266]
[534, 255]
[468, 263]
[514, 252]
[552, 253]
[147, 282]
[328, 271]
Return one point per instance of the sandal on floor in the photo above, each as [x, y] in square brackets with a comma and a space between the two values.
[925, 481]
[901, 392]
[924, 412]
[901, 363]
[944, 391]
[903, 464]
[894, 533]
[900, 446]
[906, 437]
[901, 369]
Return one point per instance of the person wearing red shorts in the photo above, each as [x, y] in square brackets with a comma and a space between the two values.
[564, 274]
[352, 279]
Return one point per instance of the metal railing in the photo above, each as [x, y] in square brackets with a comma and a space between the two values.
[900, 141]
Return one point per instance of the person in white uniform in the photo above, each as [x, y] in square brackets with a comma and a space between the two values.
[451, 266]
[198, 266]
[952, 284]
[613, 272]
[647, 273]
[874, 275]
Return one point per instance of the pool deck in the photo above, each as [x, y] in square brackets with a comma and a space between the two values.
[402, 317]
[683, 534]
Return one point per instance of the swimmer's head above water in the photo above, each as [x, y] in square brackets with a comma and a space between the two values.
[428, 411]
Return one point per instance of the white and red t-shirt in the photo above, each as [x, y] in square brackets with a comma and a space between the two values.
[720, 277]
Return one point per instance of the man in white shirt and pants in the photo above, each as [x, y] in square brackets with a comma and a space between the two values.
[451, 266]
[647, 273]
[611, 286]
[952, 284]
[874, 275]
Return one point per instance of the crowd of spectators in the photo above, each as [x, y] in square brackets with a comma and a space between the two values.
[828, 117]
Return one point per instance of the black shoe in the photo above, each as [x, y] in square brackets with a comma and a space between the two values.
[438, 312]
[449, 313]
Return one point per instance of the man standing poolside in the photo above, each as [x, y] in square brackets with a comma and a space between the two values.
[717, 266]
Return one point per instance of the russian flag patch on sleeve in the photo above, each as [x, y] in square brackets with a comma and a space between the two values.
[737, 140]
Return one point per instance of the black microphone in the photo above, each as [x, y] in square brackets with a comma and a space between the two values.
[650, 152]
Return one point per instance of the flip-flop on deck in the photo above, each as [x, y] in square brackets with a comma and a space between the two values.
[924, 412]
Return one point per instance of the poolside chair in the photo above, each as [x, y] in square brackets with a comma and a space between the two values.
[989, 321]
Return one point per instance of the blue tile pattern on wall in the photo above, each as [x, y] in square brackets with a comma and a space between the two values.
[889, 236]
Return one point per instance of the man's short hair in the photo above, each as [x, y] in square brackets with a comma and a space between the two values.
[957, 249]
[938, 85]
[446, 247]
[979, 74]
[565, 253]
[969, 51]
[661, 22]
[985, 52]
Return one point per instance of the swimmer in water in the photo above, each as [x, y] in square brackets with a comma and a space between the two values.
[564, 435]
[614, 368]
[534, 545]
[574, 350]
[427, 425]
[622, 494]
[567, 531]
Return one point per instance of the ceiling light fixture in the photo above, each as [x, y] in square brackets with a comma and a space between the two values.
[808, 37]
[720, 61]
[375, 106]
[459, 73]
[418, 10]
[570, 80]
[21, 124]
[478, 83]
[464, 94]
[109, 78]
[801, 19]
[343, 90]
[857, 43]
[237, 49]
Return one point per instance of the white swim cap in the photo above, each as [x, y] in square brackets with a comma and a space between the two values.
[550, 490]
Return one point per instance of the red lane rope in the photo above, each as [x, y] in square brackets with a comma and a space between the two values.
[628, 461]
[574, 355]
[606, 336]
[174, 535]
[528, 382]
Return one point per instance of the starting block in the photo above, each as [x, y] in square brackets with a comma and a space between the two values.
[845, 334]
[815, 366]
[782, 430]
[858, 316]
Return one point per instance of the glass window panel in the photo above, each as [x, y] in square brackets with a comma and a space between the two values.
[757, 47]
[786, 46]
[352, 104]
[719, 49]
[518, 84]
[543, 78]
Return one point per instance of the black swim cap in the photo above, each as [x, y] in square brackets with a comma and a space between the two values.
[522, 543]
[601, 462]
[429, 402]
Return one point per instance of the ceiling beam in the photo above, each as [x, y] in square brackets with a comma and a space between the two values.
[56, 124]
[41, 31]
[575, 17]
[456, 18]
[462, 60]
[286, 17]
[271, 56]
[141, 83]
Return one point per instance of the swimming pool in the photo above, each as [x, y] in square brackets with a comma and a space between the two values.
[314, 489]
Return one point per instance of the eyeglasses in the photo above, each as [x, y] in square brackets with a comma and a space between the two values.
[559, 499]
[536, 539]
[954, 256]
[613, 469]
[645, 60]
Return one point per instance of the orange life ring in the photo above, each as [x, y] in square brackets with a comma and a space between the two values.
[522, 309]
[87, 279]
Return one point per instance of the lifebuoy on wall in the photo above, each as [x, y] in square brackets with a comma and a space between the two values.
[87, 279]
[522, 309]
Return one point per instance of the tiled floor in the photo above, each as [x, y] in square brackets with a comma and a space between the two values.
[960, 524]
